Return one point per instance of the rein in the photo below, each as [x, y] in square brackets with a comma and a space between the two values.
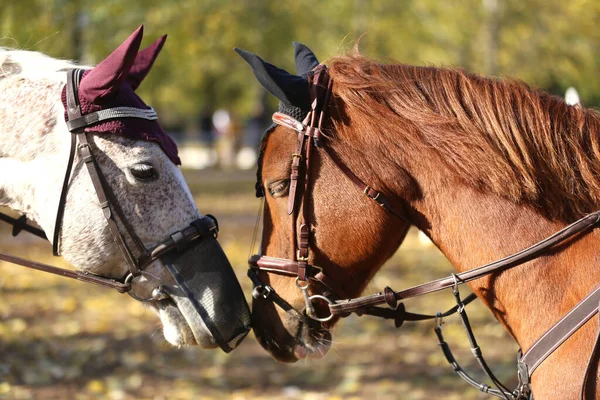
[199, 229]
[309, 134]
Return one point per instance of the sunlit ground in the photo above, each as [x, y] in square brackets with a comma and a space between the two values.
[62, 339]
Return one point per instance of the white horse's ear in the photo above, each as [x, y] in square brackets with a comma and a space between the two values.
[104, 80]
[144, 61]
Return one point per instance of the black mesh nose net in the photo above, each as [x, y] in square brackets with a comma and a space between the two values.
[206, 278]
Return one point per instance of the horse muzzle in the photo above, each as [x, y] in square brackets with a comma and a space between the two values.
[205, 283]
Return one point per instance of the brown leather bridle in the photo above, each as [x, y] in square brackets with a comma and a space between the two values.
[137, 260]
[309, 135]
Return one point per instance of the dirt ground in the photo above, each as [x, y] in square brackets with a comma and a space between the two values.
[61, 339]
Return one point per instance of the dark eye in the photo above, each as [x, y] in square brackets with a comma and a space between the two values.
[144, 172]
[279, 188]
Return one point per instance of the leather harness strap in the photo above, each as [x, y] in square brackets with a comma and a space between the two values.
[78, 275]
[73, 78]
[561, 331]
[371, 193]
[85, 152]
[588, 388]
[579, 226]
[366, 305]
[197, 230]
[290, 268]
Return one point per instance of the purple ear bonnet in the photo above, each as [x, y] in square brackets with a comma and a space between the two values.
[113, 82]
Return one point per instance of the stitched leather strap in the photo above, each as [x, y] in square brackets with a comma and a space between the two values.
[352, 305]
[111, 113]
[561, 331]
[105, 204]
[20, 224]
[203, 227]
[290, 268]
[80, 276]
[73, 109]
[588, 388]
[371, 193]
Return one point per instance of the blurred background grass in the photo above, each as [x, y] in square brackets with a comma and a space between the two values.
[62, 339]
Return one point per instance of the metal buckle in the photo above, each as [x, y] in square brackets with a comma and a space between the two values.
[157, 293]
[263, 291]
[86, 152]
[367, 190]
[438, 321]
[300, 258]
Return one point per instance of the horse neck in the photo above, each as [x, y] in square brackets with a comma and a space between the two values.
[34, 145]
[472, 228]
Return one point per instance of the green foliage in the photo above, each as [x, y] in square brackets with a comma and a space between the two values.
[550, 44]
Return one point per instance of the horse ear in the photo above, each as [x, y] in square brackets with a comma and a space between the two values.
[305, 59]
[104, 80]
[144, 61]
[290, 89]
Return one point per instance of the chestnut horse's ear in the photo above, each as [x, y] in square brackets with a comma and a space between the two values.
[103, 82]
[144, 61]
[290, 89]
[305, 59]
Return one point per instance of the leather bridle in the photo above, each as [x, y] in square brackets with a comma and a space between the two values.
[137, 260]
[309, 135]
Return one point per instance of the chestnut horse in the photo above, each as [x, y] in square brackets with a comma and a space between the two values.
[484, 166]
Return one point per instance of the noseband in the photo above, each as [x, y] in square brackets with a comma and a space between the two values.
[309, 135]
[199, 229]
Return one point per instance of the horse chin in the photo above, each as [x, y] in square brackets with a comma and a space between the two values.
[182, 326]
[310, 342]
[313, 341]
[313, 351]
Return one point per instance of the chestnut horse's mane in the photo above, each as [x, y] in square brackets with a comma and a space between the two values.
[497, 135]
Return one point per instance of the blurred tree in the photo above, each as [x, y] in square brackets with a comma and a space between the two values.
[548, 43]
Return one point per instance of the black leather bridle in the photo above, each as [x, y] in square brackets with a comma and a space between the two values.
[309, 135]
[137, 260]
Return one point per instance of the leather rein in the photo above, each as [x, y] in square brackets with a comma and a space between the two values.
[309, 135]
[204, 227]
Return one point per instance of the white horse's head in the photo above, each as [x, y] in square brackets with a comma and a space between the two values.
[137, 159]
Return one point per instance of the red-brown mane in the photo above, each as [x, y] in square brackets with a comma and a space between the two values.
[486, 167]
[497, 135]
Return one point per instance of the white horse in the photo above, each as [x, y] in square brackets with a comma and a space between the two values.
[34, 148]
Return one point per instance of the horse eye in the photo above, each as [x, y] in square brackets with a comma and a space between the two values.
[279, 188]
[144, 172]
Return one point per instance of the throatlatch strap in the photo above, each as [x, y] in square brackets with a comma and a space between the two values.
[73, 109]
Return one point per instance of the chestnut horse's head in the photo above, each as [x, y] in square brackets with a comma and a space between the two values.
[349, 235]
